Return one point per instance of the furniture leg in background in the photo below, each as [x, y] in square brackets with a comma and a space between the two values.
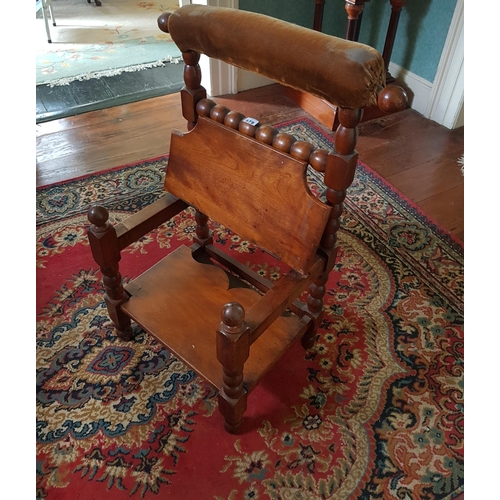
[354, 9]
[396, 8]
[48, 14]
[318, 15]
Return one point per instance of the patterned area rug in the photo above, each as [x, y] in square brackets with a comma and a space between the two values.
[375, 410]
[92, 42]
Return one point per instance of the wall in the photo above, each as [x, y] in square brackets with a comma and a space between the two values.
[422, 30]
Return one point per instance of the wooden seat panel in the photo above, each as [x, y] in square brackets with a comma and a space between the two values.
[259, 192]
[179, 302]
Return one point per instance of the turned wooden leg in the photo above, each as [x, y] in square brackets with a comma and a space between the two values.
[233, 347]
[314, 302]
[106, 252]
[339, 168]
[203, 234]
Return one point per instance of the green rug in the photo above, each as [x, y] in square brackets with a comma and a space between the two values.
[92, 42]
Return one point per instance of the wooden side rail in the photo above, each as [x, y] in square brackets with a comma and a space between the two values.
[346, 73]
[233, 265]
[278, 298]
[139, 224]
[255, 279]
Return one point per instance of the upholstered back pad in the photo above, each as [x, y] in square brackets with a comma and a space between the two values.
[345, 73]
[255, 190]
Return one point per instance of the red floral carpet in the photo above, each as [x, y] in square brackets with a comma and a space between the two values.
[375, 411]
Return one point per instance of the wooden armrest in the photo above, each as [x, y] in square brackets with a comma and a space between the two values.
[278, 298]
[147, 219]
[346, 73]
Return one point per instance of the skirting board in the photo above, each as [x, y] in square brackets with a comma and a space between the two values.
[446, 103]
[418, 89]
[248, 80]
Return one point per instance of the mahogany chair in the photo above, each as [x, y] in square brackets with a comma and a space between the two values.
[252, 179]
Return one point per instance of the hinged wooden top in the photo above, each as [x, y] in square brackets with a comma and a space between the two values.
[255, 190]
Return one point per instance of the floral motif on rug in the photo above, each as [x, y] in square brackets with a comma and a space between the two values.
[374, 410]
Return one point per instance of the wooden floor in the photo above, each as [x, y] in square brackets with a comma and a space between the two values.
[79, 97]
[415, 155]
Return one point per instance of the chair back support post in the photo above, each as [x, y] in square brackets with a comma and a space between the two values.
[340, 169]
[203, 235]
[192, 92]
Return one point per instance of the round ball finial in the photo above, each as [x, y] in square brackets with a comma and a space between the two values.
[233, 119]
[218, 113]
[204, 107]
[163, 21]
[392, 98]
[98, 216]
[283, 141]
[232, 314]
[266, 134]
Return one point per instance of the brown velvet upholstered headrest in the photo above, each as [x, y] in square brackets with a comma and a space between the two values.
[345, 73]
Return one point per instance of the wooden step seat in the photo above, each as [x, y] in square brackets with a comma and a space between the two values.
[250, 178]
[179, 302]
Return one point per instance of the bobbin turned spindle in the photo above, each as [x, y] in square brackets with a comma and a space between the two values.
[233, 119]
[248, 128]
[219, 112]
[301, 150]
[265, 134]
[283, 141]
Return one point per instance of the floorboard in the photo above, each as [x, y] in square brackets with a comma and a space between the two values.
[98, 93]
